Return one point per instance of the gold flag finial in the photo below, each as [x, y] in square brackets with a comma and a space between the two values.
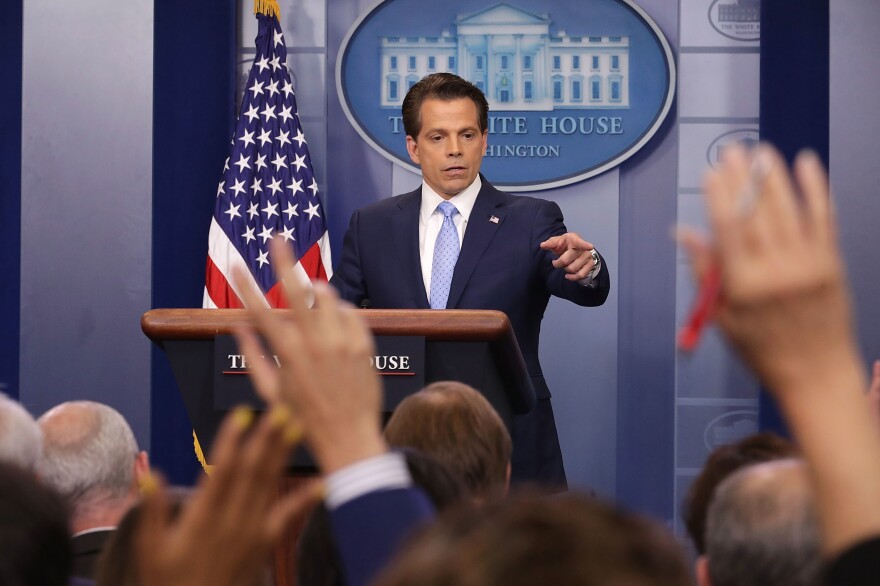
[267, 7]
[201, 455]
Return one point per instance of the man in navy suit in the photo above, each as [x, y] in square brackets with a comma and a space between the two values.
[514, 251]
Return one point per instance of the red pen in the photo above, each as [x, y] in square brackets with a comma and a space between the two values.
[710, 287]
[701, 312]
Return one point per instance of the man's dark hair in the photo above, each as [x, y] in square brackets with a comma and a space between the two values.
[35, 544]
[318, 560]
[455, 424]
[527, 540]
[118, 563]
[445, 87]
[721, 463]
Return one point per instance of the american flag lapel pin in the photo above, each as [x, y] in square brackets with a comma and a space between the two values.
[493, 219]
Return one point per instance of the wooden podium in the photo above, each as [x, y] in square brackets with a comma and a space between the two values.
[477, 347]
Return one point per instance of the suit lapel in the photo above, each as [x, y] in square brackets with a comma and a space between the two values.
[485, 219]
[405, 234]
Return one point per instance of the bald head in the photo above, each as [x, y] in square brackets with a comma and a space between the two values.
[762, 528]
[20, 438]
[90, 456]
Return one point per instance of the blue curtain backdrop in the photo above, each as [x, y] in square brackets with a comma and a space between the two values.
[10, 187]
[194, 56]
[795, 94]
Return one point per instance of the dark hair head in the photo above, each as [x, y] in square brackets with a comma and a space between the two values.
[455, 424]
[721, 463]
[35, 544]
[445, 87]
[117, 565]
[526, 540]
[318, 561]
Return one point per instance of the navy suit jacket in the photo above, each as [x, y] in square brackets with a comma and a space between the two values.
[501, 266]
[370, 529]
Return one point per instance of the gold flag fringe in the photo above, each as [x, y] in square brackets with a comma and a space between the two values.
[201, 456]
[267, 7]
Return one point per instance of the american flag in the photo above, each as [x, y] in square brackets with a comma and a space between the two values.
[268, 189]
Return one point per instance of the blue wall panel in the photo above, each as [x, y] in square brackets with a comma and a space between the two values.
[193, 109]
[794, 96]
[10, 187]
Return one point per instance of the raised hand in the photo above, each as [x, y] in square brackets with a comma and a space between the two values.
[225, 532]
[325, 376]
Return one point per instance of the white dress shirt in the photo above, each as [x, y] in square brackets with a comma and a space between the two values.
[431, 219]
[387, 471]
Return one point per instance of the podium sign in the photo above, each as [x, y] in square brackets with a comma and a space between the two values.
[399, 360]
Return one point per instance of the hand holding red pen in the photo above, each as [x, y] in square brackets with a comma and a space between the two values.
[773, 268]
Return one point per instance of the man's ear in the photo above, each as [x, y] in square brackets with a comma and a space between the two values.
[412, 147]
[702, 571]
[485, 141]
[141, 467]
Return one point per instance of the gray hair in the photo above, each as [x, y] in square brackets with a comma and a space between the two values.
[88, 453]
[21, 440]
[762, 528]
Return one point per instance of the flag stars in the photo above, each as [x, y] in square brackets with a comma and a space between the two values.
[314, 187]
[290, 210]
[312, 211]
[248, 235]
[282, 138]
[285, 113]
[275, 186]
[247, 138]
[287, 233]
[266, 234]
[233, 211]
[261, 162]
[226, 164]
[252, 113]
[279, 162]
[265, 137]
[299, 162]
[268, 112]
[238, 187]
[263, 64]
[272, 88]
[257, 185]
[253, 211]
[300, 138]
[276, 62]
[296, 186]
[220, 189]
[287, 89]
[270, 210]
[257, 88]
[263, 258]
[279, 38]
[242, 163]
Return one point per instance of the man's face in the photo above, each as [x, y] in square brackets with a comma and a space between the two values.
[450, 145]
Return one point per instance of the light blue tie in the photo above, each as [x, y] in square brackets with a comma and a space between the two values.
[445, 254]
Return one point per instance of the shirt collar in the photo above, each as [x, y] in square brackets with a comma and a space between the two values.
[463, 201]
[95, 530]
